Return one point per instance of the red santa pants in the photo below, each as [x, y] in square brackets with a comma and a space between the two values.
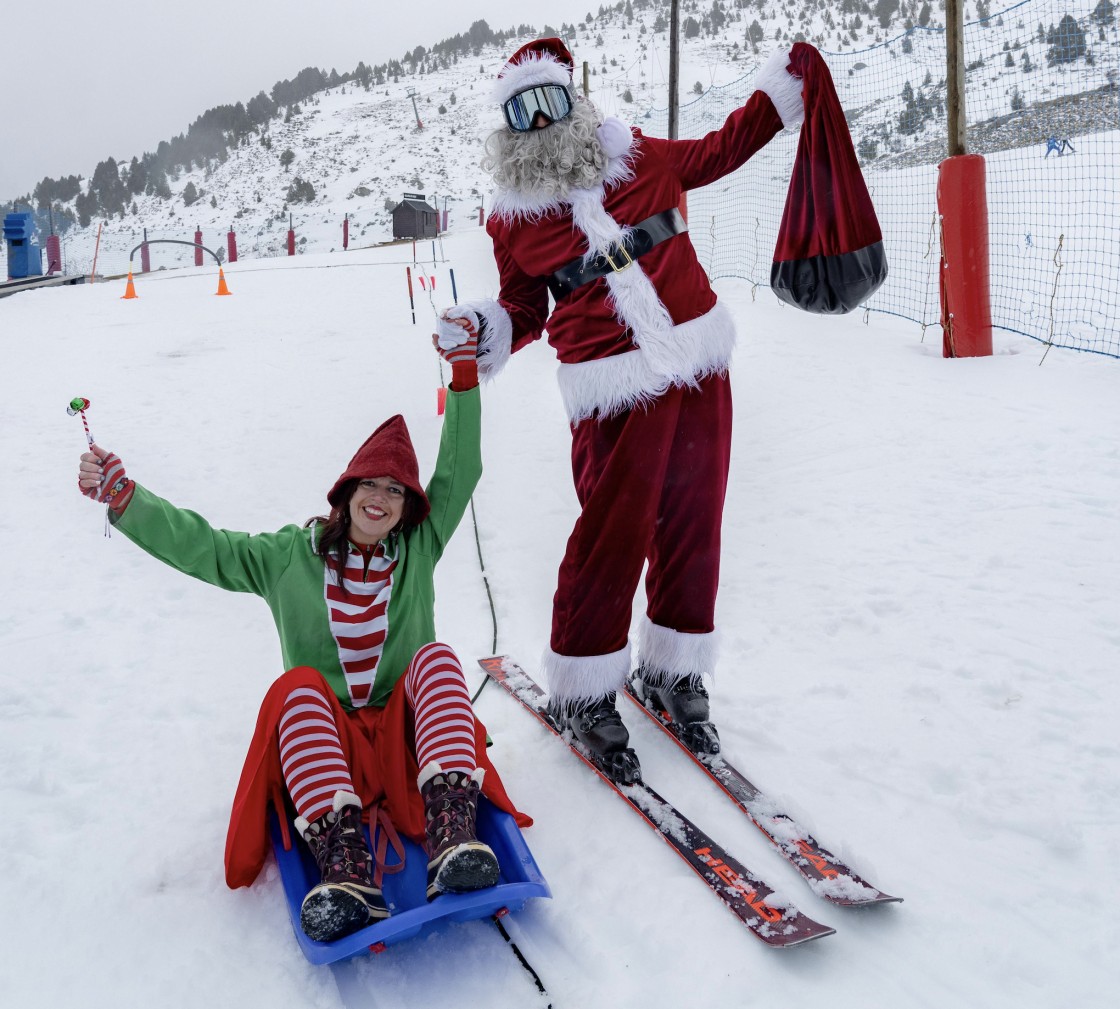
[651, 483]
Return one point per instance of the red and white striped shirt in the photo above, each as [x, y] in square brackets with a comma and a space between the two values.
[359, 617]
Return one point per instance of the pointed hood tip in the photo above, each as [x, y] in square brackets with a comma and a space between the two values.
[386, 452]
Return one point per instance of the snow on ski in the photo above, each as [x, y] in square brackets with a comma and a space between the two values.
[772, 919]
[828, 876]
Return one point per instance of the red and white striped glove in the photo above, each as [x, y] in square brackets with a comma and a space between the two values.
[101, 477]
[457, 343]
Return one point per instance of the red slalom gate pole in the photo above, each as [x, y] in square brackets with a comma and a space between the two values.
[411, 303]
[231, 246]
[345, 232]
[197, 251]
[966, 302]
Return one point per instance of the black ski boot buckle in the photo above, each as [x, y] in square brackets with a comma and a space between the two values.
[621, 766]
[700, 737]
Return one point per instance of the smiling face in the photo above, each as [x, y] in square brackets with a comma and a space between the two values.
[376, 507]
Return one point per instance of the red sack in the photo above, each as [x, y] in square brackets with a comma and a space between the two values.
[829, 255]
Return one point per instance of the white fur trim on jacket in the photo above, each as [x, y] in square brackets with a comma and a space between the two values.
[670, 355]
[702, 346]
[531, 70]
[585, 677]
[783, 89]
[495, 343]
[667, 655]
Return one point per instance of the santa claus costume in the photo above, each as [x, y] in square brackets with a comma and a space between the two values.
[644, 350]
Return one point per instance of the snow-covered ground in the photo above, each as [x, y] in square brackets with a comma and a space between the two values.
[920, 620]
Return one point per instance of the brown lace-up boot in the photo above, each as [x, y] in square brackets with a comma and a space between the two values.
[457, 860]
[346, 900]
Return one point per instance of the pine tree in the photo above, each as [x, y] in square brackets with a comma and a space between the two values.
[1067, 42]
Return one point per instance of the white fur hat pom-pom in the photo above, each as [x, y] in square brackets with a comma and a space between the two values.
[615, 137]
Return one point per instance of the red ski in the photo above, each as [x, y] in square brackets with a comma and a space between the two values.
[828, 875]
[772, 919]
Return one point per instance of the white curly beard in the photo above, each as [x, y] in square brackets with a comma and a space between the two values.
[548, 163]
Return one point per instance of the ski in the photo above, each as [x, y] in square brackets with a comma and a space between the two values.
[828, 876]
[771, 918]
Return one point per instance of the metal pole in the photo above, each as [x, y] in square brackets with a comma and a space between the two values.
[674, 64]
[586, 80]
[954, 78]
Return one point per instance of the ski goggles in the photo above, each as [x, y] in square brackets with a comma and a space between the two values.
[553, 101]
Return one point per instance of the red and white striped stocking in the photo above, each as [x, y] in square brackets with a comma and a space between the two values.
[311, 753]
[437, 693]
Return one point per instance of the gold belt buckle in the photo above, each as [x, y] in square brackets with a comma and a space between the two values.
[614, 266]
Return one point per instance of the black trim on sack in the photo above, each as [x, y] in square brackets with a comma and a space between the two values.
[638, 241]
[830, 285]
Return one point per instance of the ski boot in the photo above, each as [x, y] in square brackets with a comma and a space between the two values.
[683, 707]
[597, 727]
[346, 899]
[457, 860]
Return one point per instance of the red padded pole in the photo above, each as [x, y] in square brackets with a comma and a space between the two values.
[966, 303]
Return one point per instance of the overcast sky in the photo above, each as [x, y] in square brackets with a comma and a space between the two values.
[82, 82]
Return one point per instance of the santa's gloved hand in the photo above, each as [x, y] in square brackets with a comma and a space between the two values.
[101, 477]
[459, 349]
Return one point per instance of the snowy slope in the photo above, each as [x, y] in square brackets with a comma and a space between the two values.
[920, 628]
[361, 150]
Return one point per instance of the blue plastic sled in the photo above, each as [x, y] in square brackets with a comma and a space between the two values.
[519, 879]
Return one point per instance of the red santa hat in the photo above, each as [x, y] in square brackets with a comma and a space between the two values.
[386, 452]
[542, 61]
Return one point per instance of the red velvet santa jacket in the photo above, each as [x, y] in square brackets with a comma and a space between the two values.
[625, 338]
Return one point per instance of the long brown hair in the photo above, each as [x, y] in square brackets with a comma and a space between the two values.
[332, 538]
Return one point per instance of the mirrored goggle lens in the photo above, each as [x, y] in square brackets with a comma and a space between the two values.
[551, 100]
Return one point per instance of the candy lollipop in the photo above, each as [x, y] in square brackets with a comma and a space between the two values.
[79, 405]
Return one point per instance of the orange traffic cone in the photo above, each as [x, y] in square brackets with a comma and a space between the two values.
[222, 289]
[130, 288]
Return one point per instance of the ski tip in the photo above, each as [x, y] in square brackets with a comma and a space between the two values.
[800, 938]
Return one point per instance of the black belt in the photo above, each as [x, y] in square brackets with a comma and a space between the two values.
[642, 237]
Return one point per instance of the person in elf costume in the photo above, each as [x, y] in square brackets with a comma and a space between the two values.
[372, 708]
[586, 210]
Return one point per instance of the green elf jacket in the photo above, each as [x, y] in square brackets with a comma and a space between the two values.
[282, 568]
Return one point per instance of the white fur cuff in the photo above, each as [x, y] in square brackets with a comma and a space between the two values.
[431, 769]
[673, 654]
[782, 88]
[585, 677]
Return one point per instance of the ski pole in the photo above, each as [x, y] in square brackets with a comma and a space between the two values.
[78, 407]
[454, 293]
[430, 288]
